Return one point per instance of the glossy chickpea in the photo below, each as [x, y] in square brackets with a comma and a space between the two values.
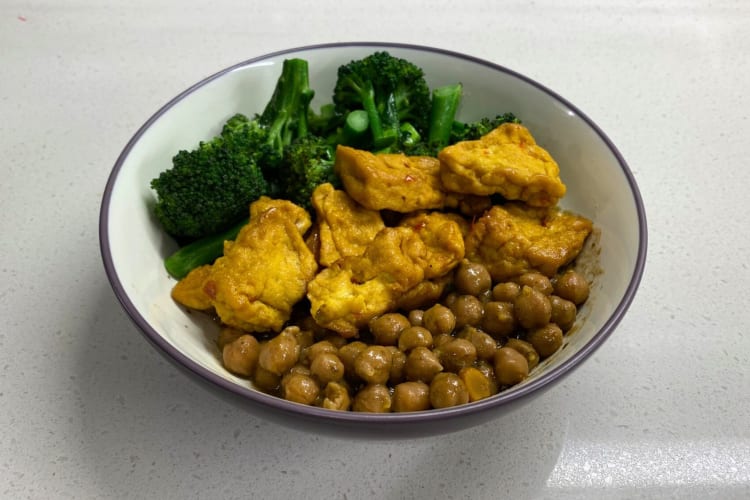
[499, 319]
[299, 388]
[506, 292]
[265, 380]
[398, 364]
[422, 364]
[532, 308]
[336, 397]
[526, 349]
[373, 364]
[387, 328]
[546, 339]
[416, 317]
[478, 385]
[348, 353]
[511, 366]
[468, 310]
[472, 278]
[373, 398]
[441, 339]
[447, 389]
[411, 396]
[483, 342]
[439, 319]
[572, 286]
[414, 336]
[322, 346]
[327, 367]
[227, 335]
[281, 352]
[457, 354]
[563, 312]
[488, 370]
[241, 355]
[537, 281]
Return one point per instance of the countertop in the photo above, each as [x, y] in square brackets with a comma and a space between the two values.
[90, 410]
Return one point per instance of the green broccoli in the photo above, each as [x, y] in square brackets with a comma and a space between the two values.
[308, 162]
[210, 188]
[391, 90]
[471, 131]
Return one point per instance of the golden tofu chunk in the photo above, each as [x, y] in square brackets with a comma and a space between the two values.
[513, 239]
[390, 181]
[262, 274]
[506, 161]
[345, 228]
[345, 296]
[189, 290]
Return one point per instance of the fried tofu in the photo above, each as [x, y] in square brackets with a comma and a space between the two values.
[513, 239]
[345, 296]
[390, 181]
[506, 161]
[345, 228]
[263, 273]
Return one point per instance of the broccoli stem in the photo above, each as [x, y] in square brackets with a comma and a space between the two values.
[355, 126]
[286, 113]
[200, 252]
[445, 101]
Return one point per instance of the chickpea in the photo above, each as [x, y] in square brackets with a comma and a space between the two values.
[337, 340]
[472, 278]
[308, 354]
[532, 308]
[447, 389]
[488, 370]
[572, 286]
[511, 366]
[457, 354]
[386, 328]
[281, 352]
[299, 388]
[499, 319]
[411, 396]
[441, 339]
[336, 397]
[416, 317]
[422, 364]
[439, 319]
[478, 385]
[450, 299]
[327, 367]
[305, 338]
[484, 343]
[348, 353]
[398, 364]
[373, 398]
[537, 281]
[468, 310]
[546, 340]
[228, 335]
[506, 292]
[373, 364]
[241, 355]
[265, 380]
[525, 348]
[414, 336]
[563, 312]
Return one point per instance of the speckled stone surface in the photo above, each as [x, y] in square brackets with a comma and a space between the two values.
[89, 410]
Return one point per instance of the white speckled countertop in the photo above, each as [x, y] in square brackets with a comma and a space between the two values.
[89, 410]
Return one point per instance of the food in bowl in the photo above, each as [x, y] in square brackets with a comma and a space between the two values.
[394, 259]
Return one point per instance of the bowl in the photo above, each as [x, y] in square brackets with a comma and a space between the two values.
[600, 186]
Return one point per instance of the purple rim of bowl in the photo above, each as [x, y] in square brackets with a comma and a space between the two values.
[333, 416]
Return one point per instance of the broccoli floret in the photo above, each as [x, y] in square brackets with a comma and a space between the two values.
[391, 90]
[309, 162]
[208, 189]
[474, 130]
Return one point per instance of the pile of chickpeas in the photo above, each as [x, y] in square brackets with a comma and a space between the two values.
[480, 339]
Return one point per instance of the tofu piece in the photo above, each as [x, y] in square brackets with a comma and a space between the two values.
[345, 296]
[262, 274]
[506, 161]
[513, 239]
[345, 228]
[390, 181]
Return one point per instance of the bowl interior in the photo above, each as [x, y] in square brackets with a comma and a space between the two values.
[599, 183]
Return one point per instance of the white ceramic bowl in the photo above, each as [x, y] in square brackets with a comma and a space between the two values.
[600, 186]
